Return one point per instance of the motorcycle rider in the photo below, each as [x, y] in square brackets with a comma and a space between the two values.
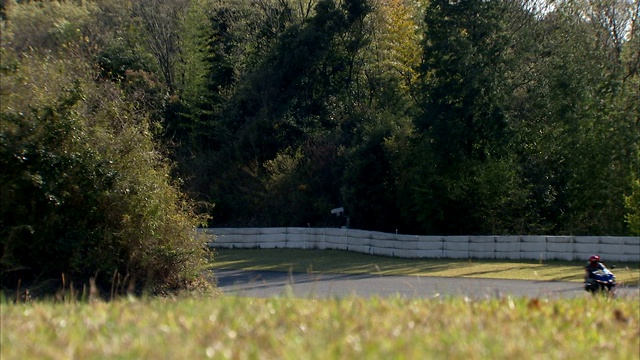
[598, 277]
[593, 265]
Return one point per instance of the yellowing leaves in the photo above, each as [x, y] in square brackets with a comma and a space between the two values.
[397, 39]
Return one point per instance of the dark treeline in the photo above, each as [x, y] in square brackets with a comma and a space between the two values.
[425, 117]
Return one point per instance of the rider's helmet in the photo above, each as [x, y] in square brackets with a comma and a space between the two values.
[594, 258]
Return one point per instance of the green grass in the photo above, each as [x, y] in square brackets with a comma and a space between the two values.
[347, 328]
[229, 327]
[333, 261]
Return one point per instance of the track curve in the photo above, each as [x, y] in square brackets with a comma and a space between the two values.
[274, 284]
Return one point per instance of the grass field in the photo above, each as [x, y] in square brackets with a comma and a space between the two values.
[227, 327]
[348, 328]
[345, 262]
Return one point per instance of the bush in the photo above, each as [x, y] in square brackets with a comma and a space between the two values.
[84, 190]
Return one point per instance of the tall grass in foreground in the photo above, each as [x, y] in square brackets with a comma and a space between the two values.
[349, 328]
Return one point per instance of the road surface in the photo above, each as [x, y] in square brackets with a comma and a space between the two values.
[274, 283]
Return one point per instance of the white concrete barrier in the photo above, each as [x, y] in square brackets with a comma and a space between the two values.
[428, 245]
[359, 241]
[507, 247]
[358, 234]
[482, 247]
[560, 248]
[317, 240]
[456, 247]
[456, 243]
[526, 247]
[385, 244]
[359, 248]
[405, 253]
[406, 243]
[381, 251]
[272, 245]
[431, 254]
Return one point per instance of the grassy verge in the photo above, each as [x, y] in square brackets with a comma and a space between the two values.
[348, 328]
[334, 261]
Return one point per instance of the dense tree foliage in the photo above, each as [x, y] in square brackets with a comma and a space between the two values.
[428, 117]
[85, 190]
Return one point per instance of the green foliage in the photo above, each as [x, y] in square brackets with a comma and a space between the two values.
[576, 145]
[426, 117]
[295, 176]
[506, 124]
[470, 183]
[85, 190]
[542, 97]
[370, 174]
[52, 26]
[632, 203]
[271, 89]
[463, 65]
[117, 42]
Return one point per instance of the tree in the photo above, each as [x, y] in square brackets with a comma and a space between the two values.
[47, 26]
[393, 56]
[372, 178]
[575, 120]
[161, 21]
[288, 101]
[86, 191]
[465, 140]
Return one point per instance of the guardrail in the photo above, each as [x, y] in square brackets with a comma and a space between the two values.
[515, 247]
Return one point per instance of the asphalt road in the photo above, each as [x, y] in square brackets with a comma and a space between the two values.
[274, 284]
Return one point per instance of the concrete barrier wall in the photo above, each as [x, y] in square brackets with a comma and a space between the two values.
[526, 247]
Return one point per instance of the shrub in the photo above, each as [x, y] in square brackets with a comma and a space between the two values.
[85, 191]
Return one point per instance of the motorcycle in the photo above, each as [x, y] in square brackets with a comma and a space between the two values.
[602, 281]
